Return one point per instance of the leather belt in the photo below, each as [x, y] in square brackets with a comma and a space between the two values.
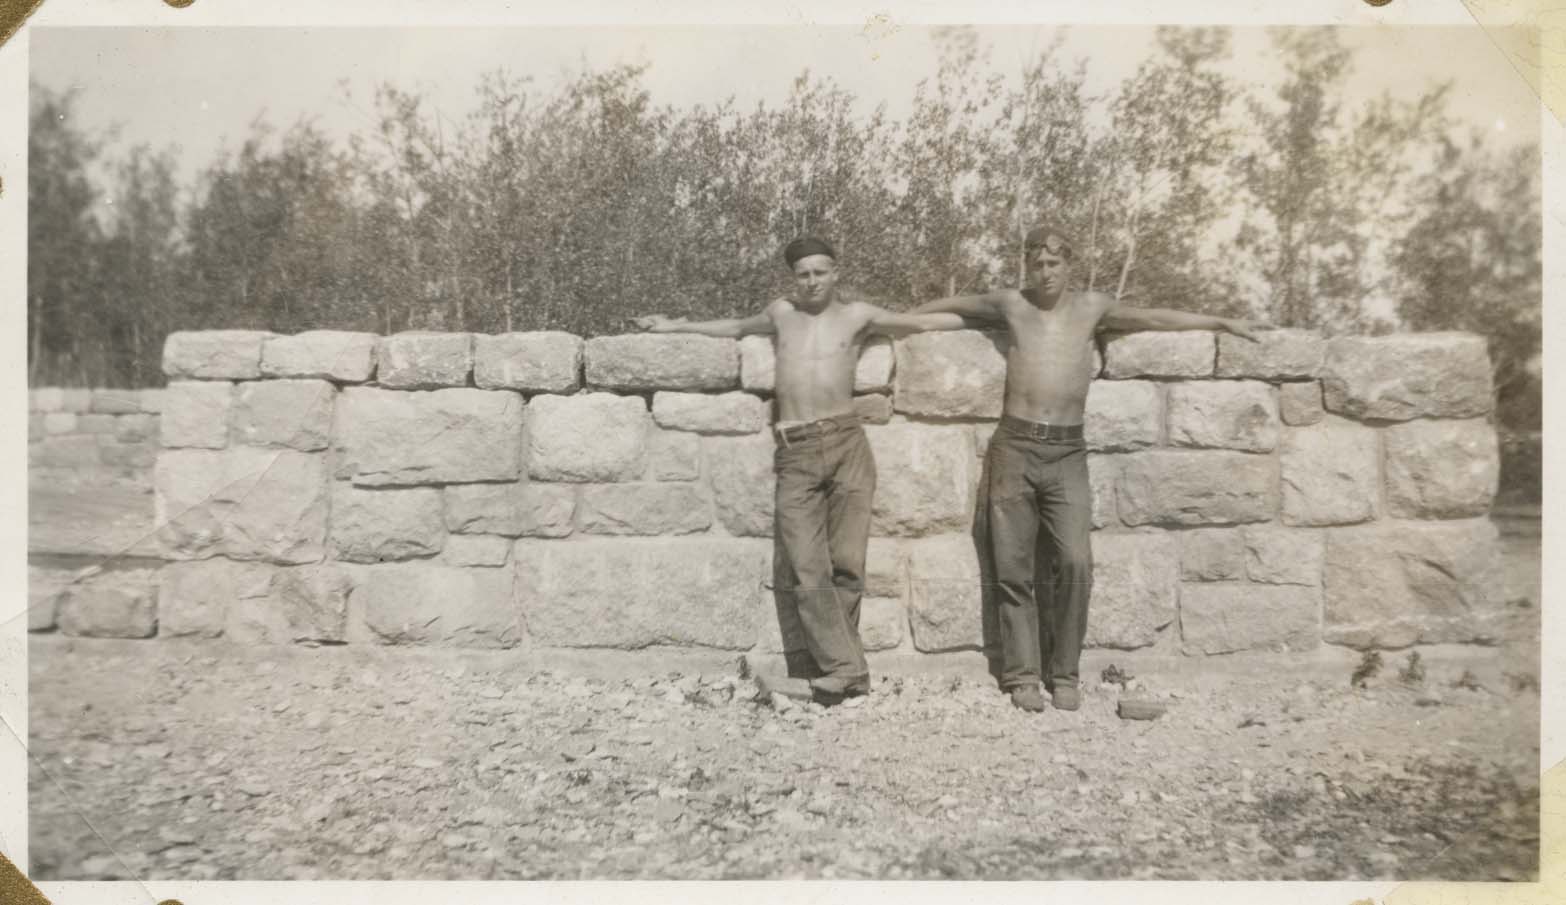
[1040, 430]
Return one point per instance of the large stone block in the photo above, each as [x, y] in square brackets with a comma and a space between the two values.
[197, 414]
[392, 437]
[59, 423]
[214, 354]
[1123, 414]
[74, 451]
[327, 354]
[1104, 476]
[1212, 554]
[1159, 487]
[95, 424]
[1156, 353]
[1329, 474]
[758, 364]
[1224, 414]
[1299, 404]
[590, 437]
[194, 597]
[877, 361]
[152, 401]
[521, 509]
[673, 455]
[635, 592]
[744, 483]
[547, 361]
[292, 413]
[706, 413]
[1277, 555]
[119, 603]
[666, 361]
[381, 524]
[434, 604]
[1393, 584]
[945, 593]
[1136, 580]
[1277, 355]
[75, 399]
[1220, 618]
[644, 508]
[1410, 375]
[476, 550]
[128, 455]
[873, 408]
[886, 568]
[46, 399]
[307, 603]
[243, 503]
[44, 587]
[958, 374]
[136, 428]
[106, 401]
[1441, 469]
[925, 476]
[420, 361]
[881, 622]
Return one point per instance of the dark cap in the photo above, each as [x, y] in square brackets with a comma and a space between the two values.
[806, 246]
[1049, 238]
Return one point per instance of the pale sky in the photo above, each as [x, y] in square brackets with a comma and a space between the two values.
[199, 89]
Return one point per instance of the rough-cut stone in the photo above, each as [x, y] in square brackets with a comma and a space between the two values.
[1219, 618]
[419, 360]
[76, 399]
[668, 361]
[243, 503]
[135, 428]
[44, 587]
[392, 437]
[925, 476]
[115, 402]
[673, 455]
[740, 470]
[194, 597]
[46, 399]
[129, 455]
[1104, 477]
[433, 604]
[1212, 554]
[644, 508]
[292, 413]
[214, 354]
[1135, 588]
[197, 414]
[758, 365]
[873, 408]
[1276, 555]
[152, 401]
[328, 354]
[635, 592]
[1441, 469]
[873, 371]
[523, 509]
[1123, 414]
[313, 601]
[1276, 355]
[705, 413]
[75, 451]
[476, 550]
[1159, 487]
[1393, 584]
[886, 568]
[1155, 353]
[547, 361]
[1300, 403]
[589, 437]
[1409, 375]
[377, 525]
[958, 374]
[95, 424]
[881, 621]
[57, 423]
[1329, 474]
[111, 604]
[944, 599]
[1224, 414]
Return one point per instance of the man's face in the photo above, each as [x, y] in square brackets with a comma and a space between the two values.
[815, 279]
[1048, 270]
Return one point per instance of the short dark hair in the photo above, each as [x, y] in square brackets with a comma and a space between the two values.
[804, 247]
[1050, 239]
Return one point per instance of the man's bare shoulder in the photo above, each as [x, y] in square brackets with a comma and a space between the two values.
[1094, 302]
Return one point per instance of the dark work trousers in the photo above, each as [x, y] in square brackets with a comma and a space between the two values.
[825, 481]
[1034, 485]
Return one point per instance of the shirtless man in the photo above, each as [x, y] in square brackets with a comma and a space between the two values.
[1037, 461]
[825, 471]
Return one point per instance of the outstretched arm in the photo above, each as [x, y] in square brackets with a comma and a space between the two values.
[1125, 318]
[983, 307]
[892, 323]
[728, 327]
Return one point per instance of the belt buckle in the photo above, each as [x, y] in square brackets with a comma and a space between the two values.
[1043, 430]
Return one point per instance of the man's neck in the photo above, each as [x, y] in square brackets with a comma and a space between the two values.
[1038, 299]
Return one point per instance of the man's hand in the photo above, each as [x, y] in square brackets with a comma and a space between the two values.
[1239, 326]
[657, 323]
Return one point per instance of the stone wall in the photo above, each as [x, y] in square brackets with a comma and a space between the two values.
[543, 490]
[96, 429]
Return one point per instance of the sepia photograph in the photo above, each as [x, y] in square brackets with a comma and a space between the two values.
[782, 452]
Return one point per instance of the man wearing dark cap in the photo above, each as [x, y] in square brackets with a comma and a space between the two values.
[825, 471]
[1037, 462]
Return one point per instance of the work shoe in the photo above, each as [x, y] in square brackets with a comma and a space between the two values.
[1028, 697]
[1065, 697]
[788, 687]
[830, 690]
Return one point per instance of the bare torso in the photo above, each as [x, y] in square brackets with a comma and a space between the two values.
[817, 352]
[1050, 358]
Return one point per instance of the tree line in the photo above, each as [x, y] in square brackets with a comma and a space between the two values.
[579, 207]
